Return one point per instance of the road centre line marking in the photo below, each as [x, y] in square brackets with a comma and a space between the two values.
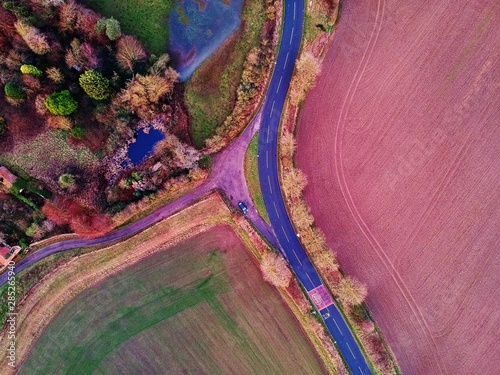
[272, 108]
[294, 11]
[268, 130]
[267, 158]
[275, 208]
[269, 180]
[291, 35]
[279, 84]
[283, 229]
[338, 327]
[309, 277]
[297, 257]
[353, 356]
[362, 373]
[286, 59]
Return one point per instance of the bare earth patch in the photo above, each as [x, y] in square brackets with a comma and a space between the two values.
[400, 143]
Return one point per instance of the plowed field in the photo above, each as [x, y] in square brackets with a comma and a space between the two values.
[400, 141]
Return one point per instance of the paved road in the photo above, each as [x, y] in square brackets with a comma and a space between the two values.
[268, 174]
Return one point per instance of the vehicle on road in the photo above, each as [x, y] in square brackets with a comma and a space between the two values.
[244, 208]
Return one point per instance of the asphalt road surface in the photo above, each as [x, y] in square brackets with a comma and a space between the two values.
[268, 174]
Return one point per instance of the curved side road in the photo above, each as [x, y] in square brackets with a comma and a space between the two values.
[269, 180]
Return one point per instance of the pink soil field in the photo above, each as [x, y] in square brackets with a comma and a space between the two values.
[400, 143]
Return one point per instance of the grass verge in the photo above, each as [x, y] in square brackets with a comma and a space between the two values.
[252, 177]
[211, 91]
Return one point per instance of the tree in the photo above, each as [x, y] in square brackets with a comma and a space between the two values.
[129, 51]
[351, 291]
[110, 27]
[95, 85]
[30, 69]
[288, 144]
[301, 216]
[294, 182]
[143, 94]
[306, 70]
[61, 103]
[326, 260]
[55, 75]
[14, 91]
[35, 40]
[275, 270]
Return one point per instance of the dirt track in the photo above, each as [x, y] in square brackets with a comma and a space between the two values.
[400, 142]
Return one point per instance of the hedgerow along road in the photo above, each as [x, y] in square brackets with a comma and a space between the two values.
[269, 181]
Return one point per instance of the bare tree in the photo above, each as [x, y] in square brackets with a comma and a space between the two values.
[294, 181]
[301, 216]
[288, 144]
[351, 291]
[306, 70]
[275, 270]
[326, 260]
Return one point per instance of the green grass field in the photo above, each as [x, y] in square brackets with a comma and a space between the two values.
[198, 308]
[211, 91]
[148, 20]
[252, 176]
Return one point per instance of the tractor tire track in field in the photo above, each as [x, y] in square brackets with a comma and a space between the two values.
[346, 193]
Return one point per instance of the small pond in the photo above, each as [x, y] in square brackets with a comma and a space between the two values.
[198, 28]
[144, 145]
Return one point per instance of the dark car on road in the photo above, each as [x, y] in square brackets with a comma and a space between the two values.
[243, 207]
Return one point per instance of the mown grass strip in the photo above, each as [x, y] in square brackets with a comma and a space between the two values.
[147, 20]
[252, 176]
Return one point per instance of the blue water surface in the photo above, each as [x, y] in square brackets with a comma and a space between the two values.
[208, 23]
[144, 145]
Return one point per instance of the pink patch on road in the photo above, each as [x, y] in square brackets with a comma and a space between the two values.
[321, 297]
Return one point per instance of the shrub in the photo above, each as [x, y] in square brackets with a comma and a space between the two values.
[95, 85]
[31, 69]
[3, 126]
[66, 180]
[61, 103]
[59, 122]
[14, 91]
[78, 132]
[110, 27]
